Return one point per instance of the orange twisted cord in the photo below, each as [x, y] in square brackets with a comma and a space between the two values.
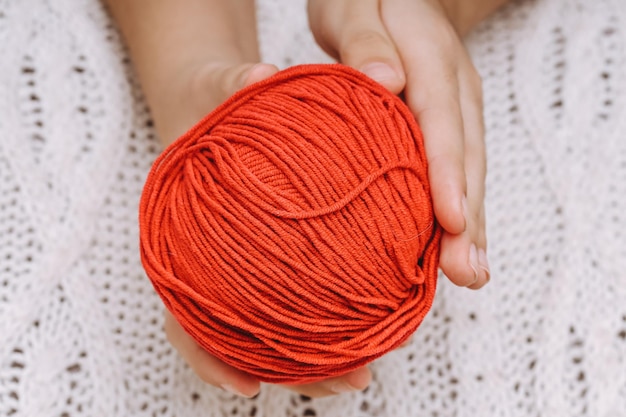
[291, 231]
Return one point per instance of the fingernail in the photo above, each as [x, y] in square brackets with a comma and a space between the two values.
[380, 72]
[233, 390]
[465, 210]
[342, 387]
[483, 262]
[473, 259]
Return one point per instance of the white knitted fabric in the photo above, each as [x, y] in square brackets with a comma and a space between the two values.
[81, 328]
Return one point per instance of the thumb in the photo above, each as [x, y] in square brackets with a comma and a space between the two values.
[353, 32]
[207, 87]
[217, 82]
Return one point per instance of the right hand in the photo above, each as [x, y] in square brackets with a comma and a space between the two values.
[413, 46]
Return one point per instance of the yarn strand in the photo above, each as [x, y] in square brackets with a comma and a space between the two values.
[291, 231]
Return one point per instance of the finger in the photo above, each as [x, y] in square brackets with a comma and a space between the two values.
[475, 156]
[475, 162]
[469, 248]
[210, 369]
[429, 51]
[462, 260]
[459, 259]
[256, 73]
[222, 80]
[356, 380]
[483, 262]
[352, 32]
[210, 85]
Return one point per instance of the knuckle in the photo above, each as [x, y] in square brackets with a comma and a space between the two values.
[355, 42]
[438, 93]
[365, 37]
[446, 41]
[234, 79]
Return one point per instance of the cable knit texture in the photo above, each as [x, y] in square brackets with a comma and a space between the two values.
[81, 327]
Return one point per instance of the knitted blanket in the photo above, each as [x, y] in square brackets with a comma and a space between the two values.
[81, 327]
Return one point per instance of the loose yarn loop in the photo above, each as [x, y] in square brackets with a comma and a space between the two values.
[291, 231]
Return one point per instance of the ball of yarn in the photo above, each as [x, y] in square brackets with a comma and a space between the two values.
[291, 231]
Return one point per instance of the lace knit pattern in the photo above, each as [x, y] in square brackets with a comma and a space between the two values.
[80, 325]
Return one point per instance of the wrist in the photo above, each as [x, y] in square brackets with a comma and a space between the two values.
[170, 41]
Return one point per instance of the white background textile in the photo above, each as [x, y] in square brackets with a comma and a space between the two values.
[81, 328]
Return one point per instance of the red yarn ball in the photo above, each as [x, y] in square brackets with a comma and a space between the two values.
[291, 231]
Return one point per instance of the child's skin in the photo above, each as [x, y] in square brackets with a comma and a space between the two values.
[190, 55]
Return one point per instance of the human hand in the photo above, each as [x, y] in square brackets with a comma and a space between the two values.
[215, 372]
[202, 53]
[413, 46]
[200, 89]
[206, 88]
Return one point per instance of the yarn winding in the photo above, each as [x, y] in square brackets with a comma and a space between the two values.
[291, 231]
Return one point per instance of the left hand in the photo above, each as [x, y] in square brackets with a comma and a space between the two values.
[204, 88]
